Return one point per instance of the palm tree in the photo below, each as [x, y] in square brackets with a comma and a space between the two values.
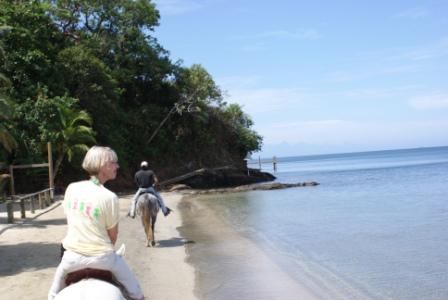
[74, 136]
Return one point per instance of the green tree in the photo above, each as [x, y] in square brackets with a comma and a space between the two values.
[75, 135]
[198, 91]
[128, 91]
[56, 120]
[241, 123]
[6, 139]
[31, 45]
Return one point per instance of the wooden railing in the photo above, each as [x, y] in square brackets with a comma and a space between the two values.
[38, 200]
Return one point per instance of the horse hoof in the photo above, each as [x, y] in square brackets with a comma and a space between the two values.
[153, 243]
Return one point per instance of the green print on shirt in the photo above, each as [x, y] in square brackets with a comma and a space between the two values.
[96, 212]
[84, 208]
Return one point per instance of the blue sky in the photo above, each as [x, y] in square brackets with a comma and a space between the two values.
[322, 76]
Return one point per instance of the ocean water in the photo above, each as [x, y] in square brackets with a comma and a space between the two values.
[375, 228]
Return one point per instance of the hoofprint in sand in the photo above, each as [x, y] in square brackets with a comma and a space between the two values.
[29, 254]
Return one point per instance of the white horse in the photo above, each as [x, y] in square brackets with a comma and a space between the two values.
[92, 289]
[147, 208]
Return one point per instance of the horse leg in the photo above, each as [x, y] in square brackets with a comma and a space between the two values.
[153, 222]
[150, 233]
[146, 224]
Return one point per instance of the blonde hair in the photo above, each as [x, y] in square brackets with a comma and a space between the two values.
[97, 157]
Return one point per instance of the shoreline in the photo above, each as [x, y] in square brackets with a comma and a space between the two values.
[229, 265]
[197, 256]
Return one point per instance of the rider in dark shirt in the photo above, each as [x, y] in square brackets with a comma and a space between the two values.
[146, 179]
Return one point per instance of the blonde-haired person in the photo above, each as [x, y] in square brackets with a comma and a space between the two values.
[92, 225]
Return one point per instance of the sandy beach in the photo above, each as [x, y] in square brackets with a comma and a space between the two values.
[197, 256]
[29, 254]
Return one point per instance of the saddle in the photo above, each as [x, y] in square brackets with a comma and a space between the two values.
[76, 276]
[146, 192]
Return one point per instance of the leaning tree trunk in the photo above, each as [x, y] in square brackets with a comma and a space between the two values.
[58, 164]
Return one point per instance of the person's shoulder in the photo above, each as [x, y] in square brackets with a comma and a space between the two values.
[78, 184]
[108, 193]
[75, 188]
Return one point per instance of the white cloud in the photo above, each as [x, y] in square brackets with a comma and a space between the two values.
[390, 62]
[378, 93]
[433, 50]
[267, 99]
[343, 76]
[244, 90]
[330, 136]
[435, 101]
[299, 34]
[239, 82]
[379, 69]
[254, 47]
[413, 13]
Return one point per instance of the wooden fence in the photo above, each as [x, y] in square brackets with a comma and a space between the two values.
[38, 200]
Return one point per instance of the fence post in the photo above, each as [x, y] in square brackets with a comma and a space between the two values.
[50, 170]
[10, 211]
[11, 180]
[41, 201]
[22, 208]
[32, 204]
[47, 198]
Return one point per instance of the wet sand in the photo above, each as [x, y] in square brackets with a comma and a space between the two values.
[29, 254]
[230, 266]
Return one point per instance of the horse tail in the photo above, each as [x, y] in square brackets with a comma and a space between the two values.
[148, 209]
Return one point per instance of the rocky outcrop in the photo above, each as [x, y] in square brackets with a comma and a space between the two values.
[219, 178]
[185, 189]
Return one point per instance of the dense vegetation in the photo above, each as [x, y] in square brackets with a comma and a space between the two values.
[84, 72]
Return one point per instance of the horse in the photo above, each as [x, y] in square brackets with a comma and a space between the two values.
[90, 289]
[147, 208]
[93, 288]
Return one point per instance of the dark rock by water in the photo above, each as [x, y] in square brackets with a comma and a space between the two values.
[220, 178]
[227, 179]
[248, 187]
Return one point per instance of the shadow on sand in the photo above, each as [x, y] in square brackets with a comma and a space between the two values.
[173, 242]
[28, 256]
[32, 223]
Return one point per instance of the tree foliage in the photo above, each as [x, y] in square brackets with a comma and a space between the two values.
[7, 141]
[81, 71]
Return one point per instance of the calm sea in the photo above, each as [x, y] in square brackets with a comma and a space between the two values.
[375, 228]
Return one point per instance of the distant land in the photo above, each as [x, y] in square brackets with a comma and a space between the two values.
[268, 158]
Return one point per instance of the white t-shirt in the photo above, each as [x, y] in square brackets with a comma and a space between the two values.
[91, 210]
